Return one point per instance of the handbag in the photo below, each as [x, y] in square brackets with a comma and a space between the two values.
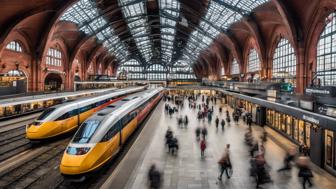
[305, 173]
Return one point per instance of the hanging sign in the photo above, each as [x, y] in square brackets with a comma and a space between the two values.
[322, 91]
[311, 119]
[308, 105]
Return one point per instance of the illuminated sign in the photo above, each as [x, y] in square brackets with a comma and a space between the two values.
[271, 93]
[311, 119]
[308, 105]
[287, 87]
[318, 91]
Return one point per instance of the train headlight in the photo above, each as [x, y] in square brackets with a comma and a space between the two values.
[77, 151]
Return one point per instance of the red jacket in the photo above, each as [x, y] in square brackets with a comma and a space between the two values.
[203, 145]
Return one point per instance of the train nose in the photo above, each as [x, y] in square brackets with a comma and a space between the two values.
[72, 164]
[41, 130]
[32, 131]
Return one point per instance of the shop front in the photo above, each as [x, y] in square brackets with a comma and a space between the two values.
[299, 125]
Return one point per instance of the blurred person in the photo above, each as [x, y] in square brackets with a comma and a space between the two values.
[154, 177]
[225, 163]
[217, 122]
[223, 124]
[304, 171]
[203, 147]
[290, 156]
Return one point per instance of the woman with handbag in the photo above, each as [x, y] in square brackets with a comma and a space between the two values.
[225, 163]
[304, 171]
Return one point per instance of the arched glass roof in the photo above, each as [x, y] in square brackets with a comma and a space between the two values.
[86, 15]
[219, 15]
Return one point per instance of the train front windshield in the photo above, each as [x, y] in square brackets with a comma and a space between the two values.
[46, 113]
[86, 131]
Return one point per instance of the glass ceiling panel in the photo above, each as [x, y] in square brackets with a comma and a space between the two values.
[170, 8]
[86, 15]
[220, 15]
[135, 16]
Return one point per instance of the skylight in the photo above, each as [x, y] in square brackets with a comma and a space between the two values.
[85, 14]
[136, 18]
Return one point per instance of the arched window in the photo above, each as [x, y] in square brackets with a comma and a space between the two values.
[14, 46]
[234, 67]
[181, 70]
[90, 69]
[326, 53]
[100, 69]
[54, 57]
[156, 72]
[253, 61]
[133, 69]
[223, 71]
[284, 62]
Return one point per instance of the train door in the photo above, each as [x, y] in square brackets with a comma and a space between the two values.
[289, 125]
[301, 132]
[329, 150]
[295, 129]
[307, 139]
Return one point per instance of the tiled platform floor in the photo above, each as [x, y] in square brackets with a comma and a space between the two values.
[188, 171]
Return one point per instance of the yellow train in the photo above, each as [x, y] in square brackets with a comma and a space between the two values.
[101, 136]
[66, 117]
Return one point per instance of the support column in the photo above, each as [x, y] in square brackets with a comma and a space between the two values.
[301, 75]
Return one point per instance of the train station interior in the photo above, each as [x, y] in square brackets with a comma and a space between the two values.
[171, 94]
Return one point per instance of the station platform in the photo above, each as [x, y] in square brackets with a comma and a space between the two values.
[187, 170]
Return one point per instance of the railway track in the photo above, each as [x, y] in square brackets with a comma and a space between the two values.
[12, 137]
[13, 142]
[25, 174]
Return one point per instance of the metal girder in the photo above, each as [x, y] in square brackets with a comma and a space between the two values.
[231, 7]
[163, 14]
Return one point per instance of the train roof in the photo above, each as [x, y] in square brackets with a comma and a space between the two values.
[63, 108]
[44, 97]
[113, 107]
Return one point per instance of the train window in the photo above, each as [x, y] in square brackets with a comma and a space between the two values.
[46, 113]
[86, 131]
[68, 115]
[63, 117]
[134, 114]
[110, 133]
[100, 103]
[84, 109]
[73, 113]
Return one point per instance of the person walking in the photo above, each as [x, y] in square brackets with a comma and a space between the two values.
[154, 177]
[202, 147]
[290, 155]
[222, 124]
[198, 133]
[228, 119]
[217, 122]
[304, 171]
[204, 132]
[225, 163]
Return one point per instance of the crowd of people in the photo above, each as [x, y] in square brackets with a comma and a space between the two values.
[259, 168]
